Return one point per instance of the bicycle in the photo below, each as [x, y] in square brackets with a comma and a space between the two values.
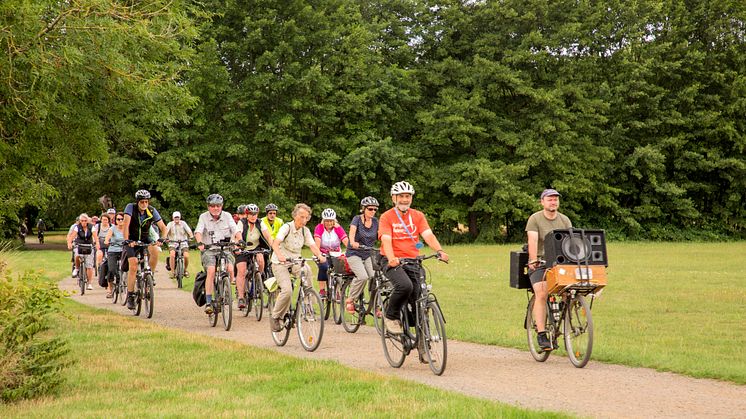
[255, 294]
[333, 296]
[144, 291]
[178, 267]
[119, 288]
[363, 307]
[568, 313]
[82, 271]
[429, 326]
[222, 298]
[40, 236]
[307, 314]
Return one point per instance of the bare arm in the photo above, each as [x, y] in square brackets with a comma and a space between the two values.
[434, 244]
[388, 250]
[533, 244]
[353, 243]
[107, 239]
[127, 219]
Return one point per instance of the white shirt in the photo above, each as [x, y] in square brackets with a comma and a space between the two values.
[293, 241]
[253, 235]
[214, 231]
[178, 232]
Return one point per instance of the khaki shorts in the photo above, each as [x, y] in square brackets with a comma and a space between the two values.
[209, 258]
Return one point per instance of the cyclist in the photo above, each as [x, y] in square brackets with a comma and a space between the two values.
[113, 240]
[328, 235]
[213, 226]
[111, 213]
[176, 232]
[363, 231]
[72, 254]
[138, 217]
[399, 230]
[255, 235]
[271, 220]
[290, 240]
[101, 231]
[539, 224]
[83, 233]
[23, 230]
[41, 227]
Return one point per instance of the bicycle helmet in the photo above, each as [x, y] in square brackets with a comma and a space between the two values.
[402, 187]
[215, 199]
[252, 208]
[270, 207]
[241, 209]
[369, 201]
[328, 214]
[142, 194]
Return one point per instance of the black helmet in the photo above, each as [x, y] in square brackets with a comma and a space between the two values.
[215, 199]
[142, 194]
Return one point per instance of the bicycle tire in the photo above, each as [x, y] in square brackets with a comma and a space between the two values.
[378, 312]
[434, 333]
[309, 319]
[258, 296]
[115, 290]
[281, 338]
[148, 296]
[123, 291]
[226, 301]
[393, 344]
[82, 277]
[138, 296]
[532, 334]
[247, 300]
[350, 321]
[578, 331]
[336, 299]
[179, 272]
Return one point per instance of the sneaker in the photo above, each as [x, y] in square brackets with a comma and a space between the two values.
[241, 304]
[208, 309]
[75, 272]
[89, 287]
[131, 300]
[393, 326]
[274, 324]
[544, 343]
[186, 274]
[322, 293]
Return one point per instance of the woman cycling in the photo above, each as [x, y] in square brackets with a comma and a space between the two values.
[114, 239]
[328, 236]
[102, 229]
[363, 231]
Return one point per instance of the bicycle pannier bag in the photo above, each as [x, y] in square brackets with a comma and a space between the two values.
[198, 293]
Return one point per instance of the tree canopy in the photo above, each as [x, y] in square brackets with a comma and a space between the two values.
[633, 110]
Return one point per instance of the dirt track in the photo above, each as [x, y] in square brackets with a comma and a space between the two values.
[505, 375]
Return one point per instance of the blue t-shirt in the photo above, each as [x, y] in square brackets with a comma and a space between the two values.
[364, 236]
[140, 224]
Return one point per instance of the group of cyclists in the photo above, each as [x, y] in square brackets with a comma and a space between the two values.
[115, 234]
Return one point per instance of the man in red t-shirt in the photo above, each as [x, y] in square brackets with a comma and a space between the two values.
[399, 230]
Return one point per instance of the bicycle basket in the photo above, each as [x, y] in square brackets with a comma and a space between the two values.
[85, 249]
[340, 264]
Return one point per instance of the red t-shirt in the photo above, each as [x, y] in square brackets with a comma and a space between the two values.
[404, 246]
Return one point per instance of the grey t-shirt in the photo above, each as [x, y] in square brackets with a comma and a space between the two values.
[541, 224]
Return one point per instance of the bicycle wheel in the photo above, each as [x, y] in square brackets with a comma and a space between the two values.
[578, 331]
[82, 278]
[259, 294]
[148, 296]
[434, 333]
[309, 319]
[393, 344]
[179, 272]
[123, 290]
[336, 300]
[533, 335]
[226, 299]
[247, 300]
[281, 337]
[350, 321]
[115, 290]
[138, 296]
[378, 312]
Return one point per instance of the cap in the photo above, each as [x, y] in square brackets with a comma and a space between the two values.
[549, 192]
[111, 211]
[176, 214]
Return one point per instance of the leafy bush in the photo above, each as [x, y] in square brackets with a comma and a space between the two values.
[31, 359]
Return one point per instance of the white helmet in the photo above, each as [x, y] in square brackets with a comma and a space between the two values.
[369, 201]
[252, 208]
[402, 187]
[328, 214]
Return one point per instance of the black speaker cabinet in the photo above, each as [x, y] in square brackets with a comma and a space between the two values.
[518, 273]
[572, 246]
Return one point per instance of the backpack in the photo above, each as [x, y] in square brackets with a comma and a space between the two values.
[198, 293]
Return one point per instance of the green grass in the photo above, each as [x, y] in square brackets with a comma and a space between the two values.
[126, 367]
[670, 306]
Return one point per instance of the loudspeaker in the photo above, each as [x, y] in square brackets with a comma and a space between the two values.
[518, 273]
[575, 246]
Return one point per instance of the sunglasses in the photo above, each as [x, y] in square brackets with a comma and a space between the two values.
[374, 209]
[120, 219]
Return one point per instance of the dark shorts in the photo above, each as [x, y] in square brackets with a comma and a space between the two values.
[242, 258]
[131, 252]
[537, 275]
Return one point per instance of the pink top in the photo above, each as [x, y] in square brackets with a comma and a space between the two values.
[331, 241]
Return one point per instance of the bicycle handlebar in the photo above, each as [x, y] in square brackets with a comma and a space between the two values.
[419, 259]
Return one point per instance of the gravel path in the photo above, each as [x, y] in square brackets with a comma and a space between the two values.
[494, 373]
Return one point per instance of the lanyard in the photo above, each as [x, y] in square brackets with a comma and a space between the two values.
[418, 244]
